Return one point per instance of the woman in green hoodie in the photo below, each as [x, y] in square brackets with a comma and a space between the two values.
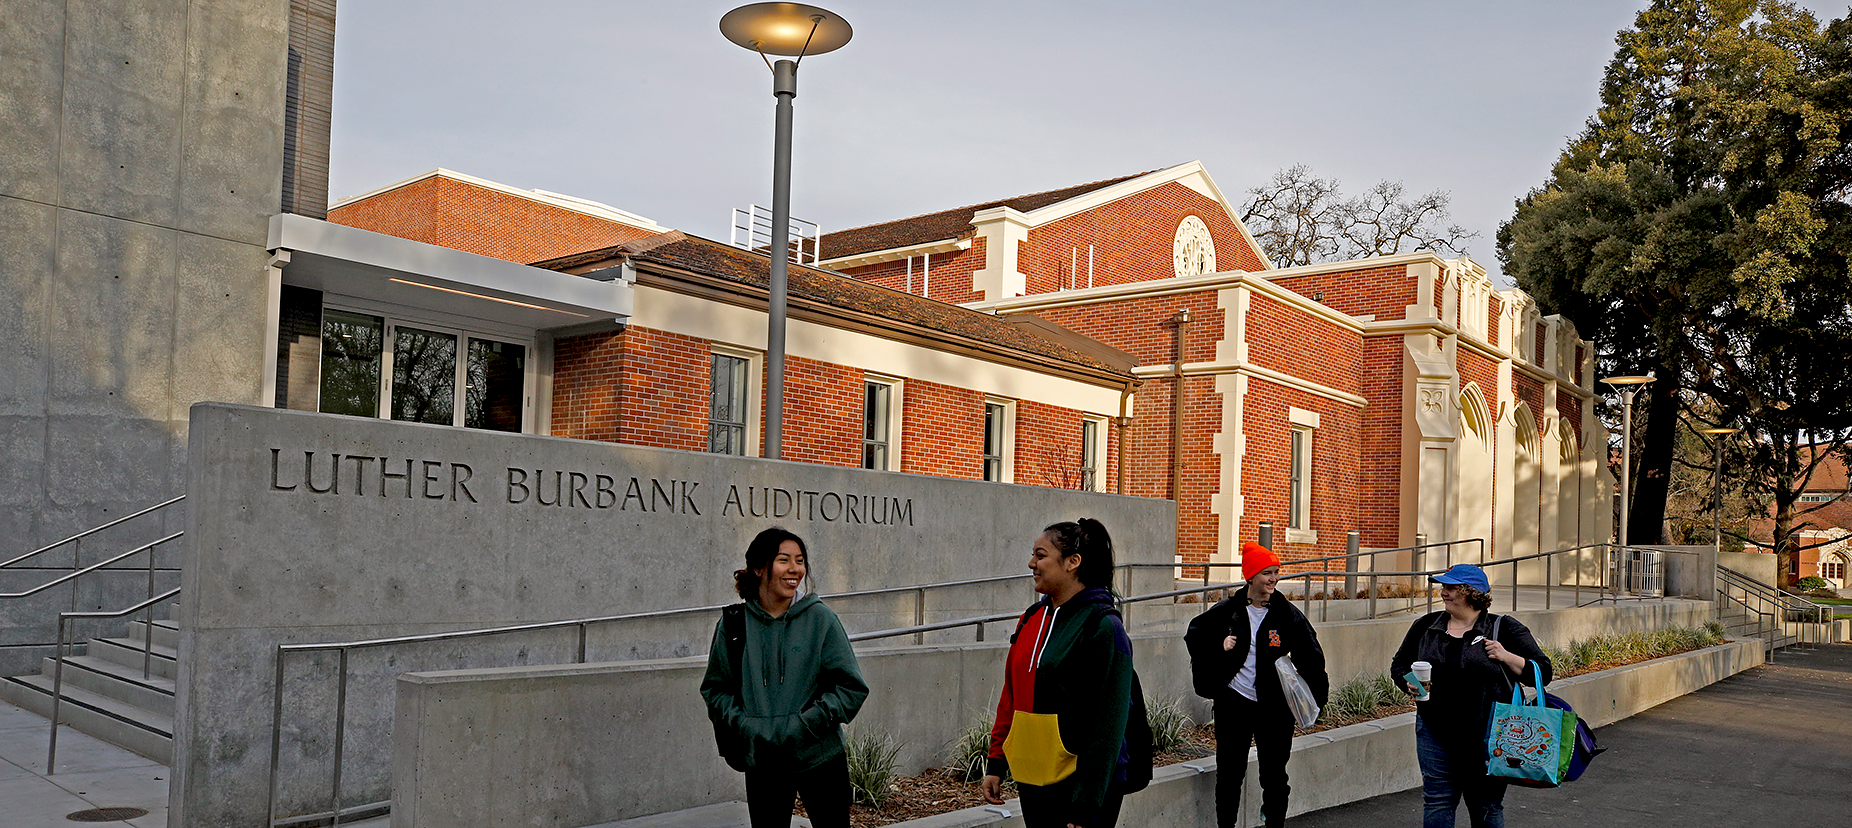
[1067, 688]
[781, 682]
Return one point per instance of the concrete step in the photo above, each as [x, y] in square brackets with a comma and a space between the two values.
[145, 732]
[128, 653]
[166, 633]
[116, 681]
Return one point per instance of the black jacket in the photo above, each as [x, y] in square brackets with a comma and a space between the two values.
[1461, 712]
[1212, 668]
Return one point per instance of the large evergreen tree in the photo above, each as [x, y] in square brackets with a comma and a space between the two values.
[1698, 230]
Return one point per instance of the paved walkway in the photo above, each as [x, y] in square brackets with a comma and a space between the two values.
[1768, 746]
[91, 774]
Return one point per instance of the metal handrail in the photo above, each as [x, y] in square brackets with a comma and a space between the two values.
[57, 670]
[1785, 603]
[980, 621]
[1768, 643]
[342, 648]
[91, 531]
[73, 575]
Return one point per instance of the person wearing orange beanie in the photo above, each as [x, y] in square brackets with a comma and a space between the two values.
[1233, 646]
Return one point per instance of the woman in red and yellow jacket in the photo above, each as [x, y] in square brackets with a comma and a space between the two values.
[1067, 688]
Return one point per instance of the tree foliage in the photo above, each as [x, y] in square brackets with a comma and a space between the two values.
[1301, 219]
[1698, 230]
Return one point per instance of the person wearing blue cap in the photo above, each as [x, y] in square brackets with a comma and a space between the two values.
[1473, 657]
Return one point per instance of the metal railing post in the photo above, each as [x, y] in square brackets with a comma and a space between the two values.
[340, 733]
[1265, 533]
[57, 695]
[276, 740]
[919, 613]
[582, 636]
[1353, 545]
[1417, 560]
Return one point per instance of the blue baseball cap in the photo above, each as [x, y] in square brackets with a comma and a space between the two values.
[1464, 574]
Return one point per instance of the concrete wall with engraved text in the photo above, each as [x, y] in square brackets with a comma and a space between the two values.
[316, 528]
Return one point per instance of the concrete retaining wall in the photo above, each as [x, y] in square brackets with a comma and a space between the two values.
[424, 528]
[1375, 758]
[585, 744]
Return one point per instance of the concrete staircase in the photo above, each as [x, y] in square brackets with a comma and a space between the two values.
[105, 694]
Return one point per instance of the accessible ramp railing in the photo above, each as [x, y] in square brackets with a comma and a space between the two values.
[335, 813]
[1782, 619]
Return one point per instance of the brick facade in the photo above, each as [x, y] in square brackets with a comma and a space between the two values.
[475, 219]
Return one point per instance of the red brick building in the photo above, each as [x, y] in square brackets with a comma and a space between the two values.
[1125, 335]
[1392, 396]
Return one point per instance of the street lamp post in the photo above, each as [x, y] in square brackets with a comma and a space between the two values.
[1717, 435]
[792, 30]
[1627, 386]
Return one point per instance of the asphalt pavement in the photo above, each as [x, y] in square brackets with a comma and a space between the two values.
[1765, 747]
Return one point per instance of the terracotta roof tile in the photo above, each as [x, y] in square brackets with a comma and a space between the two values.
[711, 258]
[946, 224]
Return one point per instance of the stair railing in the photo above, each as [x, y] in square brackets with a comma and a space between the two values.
[77, 540]
[57, 670]
[1783, 608]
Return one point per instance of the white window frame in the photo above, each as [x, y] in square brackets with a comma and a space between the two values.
[393, 317]
[896, 396]
[1095, 425]
[1006, 459]
[755, 369]
[1303, 425]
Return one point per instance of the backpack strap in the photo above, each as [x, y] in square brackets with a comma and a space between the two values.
[733, 625]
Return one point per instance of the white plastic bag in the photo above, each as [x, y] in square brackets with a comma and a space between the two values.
[1298, 694]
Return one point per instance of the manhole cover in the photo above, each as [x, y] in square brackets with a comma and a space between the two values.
[106, 814]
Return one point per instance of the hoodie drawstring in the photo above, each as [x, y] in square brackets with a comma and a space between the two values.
[1041, 639]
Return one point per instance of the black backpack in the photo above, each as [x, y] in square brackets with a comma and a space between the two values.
[733, 628]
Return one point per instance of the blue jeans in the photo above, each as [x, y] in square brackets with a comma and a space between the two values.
[1450, 772]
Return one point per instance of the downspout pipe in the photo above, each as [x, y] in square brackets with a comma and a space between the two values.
[1123, 424]
[1181, 319]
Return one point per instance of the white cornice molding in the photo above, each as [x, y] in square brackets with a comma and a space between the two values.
[1250, 369]
[1435, 327]
[575, 204]
[1260, 282]
[896, 253]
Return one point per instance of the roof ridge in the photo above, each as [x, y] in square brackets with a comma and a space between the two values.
[1099, 184]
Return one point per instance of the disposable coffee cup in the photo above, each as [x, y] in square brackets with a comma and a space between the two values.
[1421, 671]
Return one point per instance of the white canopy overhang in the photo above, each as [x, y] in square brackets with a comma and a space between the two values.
[360, 263]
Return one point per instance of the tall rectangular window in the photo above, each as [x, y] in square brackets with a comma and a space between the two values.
[726, 405]
[352, 345]
[1090, 455]
[877, 416]
[493, 387]
[1299, 489]
[424, 376]
[995, 415]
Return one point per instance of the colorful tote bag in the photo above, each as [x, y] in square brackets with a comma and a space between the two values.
[1530, 744]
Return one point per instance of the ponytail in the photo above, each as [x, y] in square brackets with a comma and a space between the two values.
[1089, 539]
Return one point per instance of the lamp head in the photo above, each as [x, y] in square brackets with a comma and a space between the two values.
[1623, 382]
[1717, 432]
[787, 29]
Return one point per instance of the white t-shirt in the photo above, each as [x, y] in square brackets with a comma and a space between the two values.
[1243, 682]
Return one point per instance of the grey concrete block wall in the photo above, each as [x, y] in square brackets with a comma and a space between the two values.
[140, 162]
[460, 541]
[463, 740]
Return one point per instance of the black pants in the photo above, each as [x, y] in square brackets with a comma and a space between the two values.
[1047, 806]
[770, 793]
[1238, 722]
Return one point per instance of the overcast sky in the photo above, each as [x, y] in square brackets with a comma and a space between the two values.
[940, 104]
